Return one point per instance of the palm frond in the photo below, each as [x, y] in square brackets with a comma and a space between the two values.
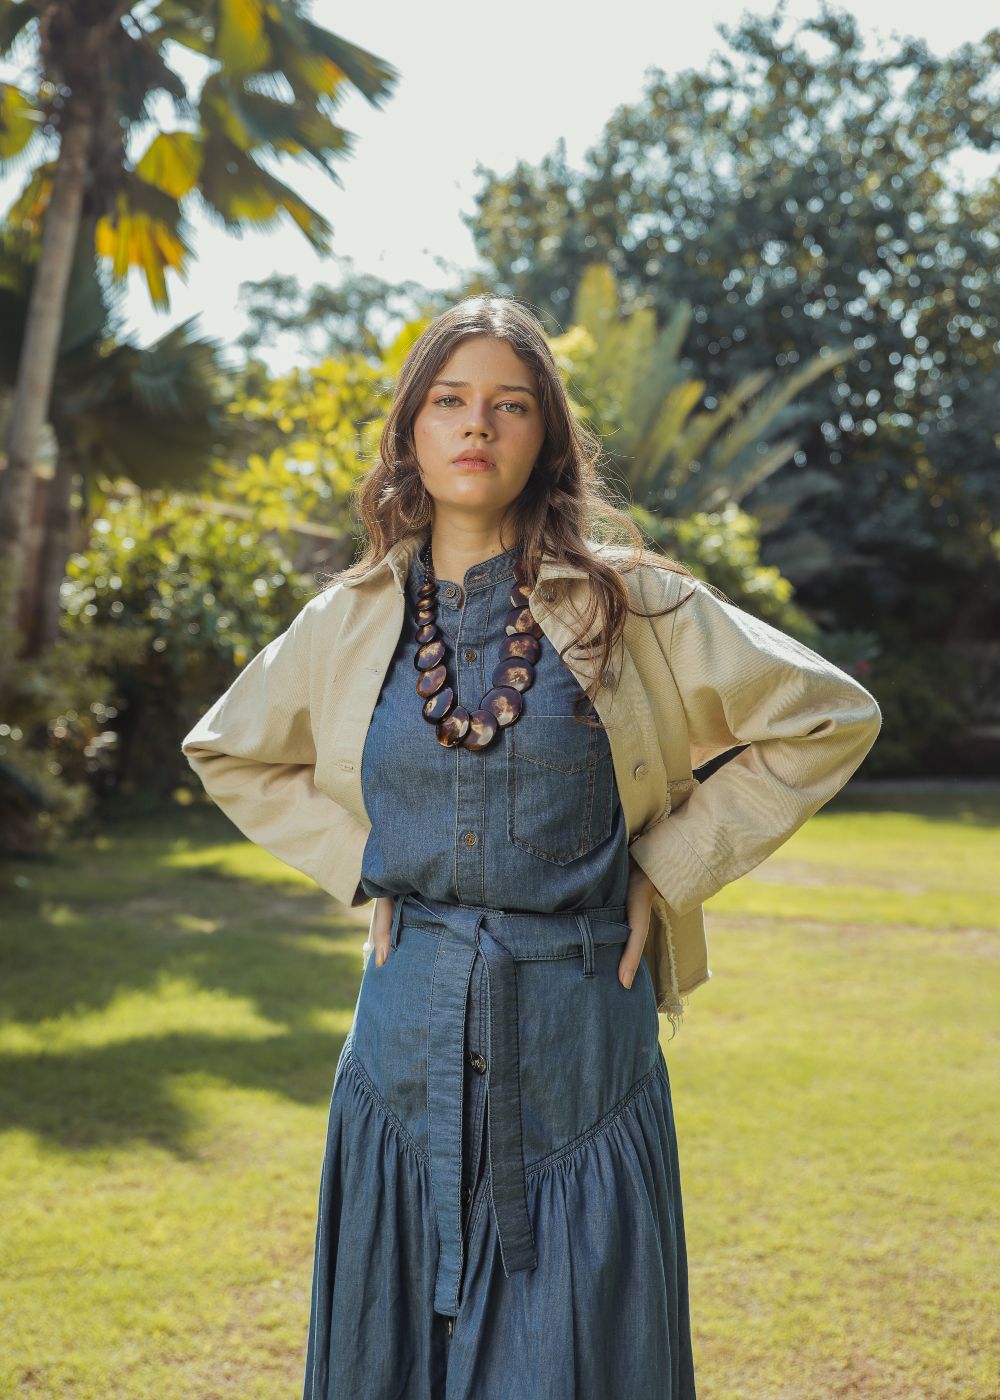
[20, 122]
[14, 20]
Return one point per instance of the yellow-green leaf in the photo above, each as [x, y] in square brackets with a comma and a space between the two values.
[172, 162]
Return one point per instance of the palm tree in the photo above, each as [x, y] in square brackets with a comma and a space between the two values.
[96, 66]
[676, 458]
[152, 416]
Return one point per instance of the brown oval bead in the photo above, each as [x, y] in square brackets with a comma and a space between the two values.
[424, 615]
[430, 682]
[513, 672]
[453, 728]
[521, 572]
[504, 702]
[428, 589]
[521, 620]
[438, 705]
[519, 595]
[482, 730]
[427, 632]
[428, 655]
[521, 644]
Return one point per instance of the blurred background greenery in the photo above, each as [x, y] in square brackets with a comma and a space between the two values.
[772, 288]
[767, 289]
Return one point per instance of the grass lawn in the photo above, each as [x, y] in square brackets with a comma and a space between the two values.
[173, 1002]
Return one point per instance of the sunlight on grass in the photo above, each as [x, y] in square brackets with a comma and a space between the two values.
[174, 1003]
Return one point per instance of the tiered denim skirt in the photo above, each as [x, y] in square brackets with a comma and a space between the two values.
[499, 1211]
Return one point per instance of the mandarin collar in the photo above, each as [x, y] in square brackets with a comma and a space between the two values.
[397, 560]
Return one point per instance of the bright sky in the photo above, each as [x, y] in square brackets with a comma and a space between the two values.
[492, 85]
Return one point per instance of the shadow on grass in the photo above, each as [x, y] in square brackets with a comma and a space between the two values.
[120, 1094]
[150, 906]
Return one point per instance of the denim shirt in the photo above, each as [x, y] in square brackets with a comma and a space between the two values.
[531, 822]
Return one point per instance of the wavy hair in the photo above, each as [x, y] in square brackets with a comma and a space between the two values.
[565, 510]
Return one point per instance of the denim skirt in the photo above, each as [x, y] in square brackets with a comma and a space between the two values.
[499, 1210]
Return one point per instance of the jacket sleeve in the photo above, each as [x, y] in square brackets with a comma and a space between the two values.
[255, 754]
[808, 726]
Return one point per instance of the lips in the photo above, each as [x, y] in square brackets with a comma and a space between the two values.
[474, 462]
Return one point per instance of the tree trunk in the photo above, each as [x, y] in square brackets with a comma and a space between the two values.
[58, 545]
[36, 367]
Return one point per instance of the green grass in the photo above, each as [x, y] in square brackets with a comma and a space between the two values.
[173, 1002]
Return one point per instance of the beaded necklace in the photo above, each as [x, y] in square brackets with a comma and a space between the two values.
[513, 674]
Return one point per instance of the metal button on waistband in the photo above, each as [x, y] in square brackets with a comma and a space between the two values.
[476, 1061]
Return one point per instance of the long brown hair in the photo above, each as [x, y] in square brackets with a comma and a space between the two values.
[565, 509]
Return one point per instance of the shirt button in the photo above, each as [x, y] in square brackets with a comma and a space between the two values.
[468, 1194]
[450, 590]
[470, 653]
[545, 594]
[477, 1062]
[469, 838]
[639, 771]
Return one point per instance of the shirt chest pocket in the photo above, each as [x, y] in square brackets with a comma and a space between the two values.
[560, 787]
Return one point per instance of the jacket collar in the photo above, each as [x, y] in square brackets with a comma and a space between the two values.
[399, 557]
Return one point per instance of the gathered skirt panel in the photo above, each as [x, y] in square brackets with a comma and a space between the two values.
[601, 1310]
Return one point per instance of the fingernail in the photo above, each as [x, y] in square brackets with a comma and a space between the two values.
[628, 980]
[379, 958]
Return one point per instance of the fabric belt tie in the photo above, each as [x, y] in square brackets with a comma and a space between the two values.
[462, 936]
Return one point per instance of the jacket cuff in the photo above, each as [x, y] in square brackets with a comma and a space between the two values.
[674, 867]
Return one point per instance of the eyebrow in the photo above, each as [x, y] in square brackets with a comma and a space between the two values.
[464, 384]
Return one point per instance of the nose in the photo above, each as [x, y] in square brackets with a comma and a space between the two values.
[478, 419]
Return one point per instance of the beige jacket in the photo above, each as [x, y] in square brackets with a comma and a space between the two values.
[280, 750]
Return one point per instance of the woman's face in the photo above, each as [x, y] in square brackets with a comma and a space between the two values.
[489, 406]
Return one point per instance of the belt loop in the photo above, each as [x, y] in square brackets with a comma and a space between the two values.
[397, 910]
[587, 938]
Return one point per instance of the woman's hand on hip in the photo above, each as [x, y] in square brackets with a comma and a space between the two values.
[638, 904]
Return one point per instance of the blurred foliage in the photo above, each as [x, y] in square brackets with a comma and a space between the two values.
[686, 468]
[799, 194]
[921, 718]
[679, 451]
[313, 432]
[723, 548]
[275, 80]
[56, 732]
[203, 592]
[357, 316]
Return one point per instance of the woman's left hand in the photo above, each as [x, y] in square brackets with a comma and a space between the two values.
[638, 903]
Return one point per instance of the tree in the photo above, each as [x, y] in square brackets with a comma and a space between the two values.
[154, 416]
[678, 452]
[275, 79]
[358, 316]
[798, 193]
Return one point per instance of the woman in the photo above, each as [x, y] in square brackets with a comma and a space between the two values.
[482, 728]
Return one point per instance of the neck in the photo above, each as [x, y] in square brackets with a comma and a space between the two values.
[455, 548]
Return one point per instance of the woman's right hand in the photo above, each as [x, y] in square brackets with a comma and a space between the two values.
[380, 927]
